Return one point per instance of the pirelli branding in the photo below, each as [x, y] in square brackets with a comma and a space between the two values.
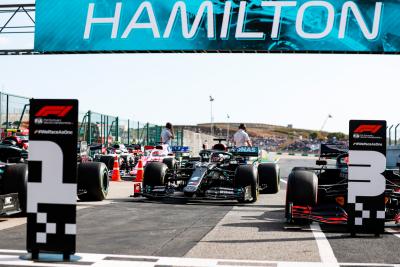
[367, 183]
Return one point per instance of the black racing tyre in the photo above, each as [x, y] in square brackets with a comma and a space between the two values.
[302, 189]
[93, 178]
[108, 160]
[15, 180]
[170, 162]
[268, 174]
[299, 169]
[154, 174]
[246, 175]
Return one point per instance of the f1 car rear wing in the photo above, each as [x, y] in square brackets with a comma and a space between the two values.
[180, 149]
[333, 150]
[245, 151]
[133, 146]
[95, 147]
[152, 147]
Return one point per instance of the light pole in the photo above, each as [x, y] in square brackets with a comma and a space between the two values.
[227, 132]
[327, 118]
[212, 118]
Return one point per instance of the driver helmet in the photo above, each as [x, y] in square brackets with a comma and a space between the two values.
[217, 157]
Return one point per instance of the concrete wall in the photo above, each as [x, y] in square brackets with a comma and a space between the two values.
[195, 141]
[392, 156]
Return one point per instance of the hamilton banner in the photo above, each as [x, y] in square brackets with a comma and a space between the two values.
[360, 26]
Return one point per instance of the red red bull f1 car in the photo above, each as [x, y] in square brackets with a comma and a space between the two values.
[320, 194]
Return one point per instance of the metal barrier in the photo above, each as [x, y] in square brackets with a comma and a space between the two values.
[104, 129]
[14, 113]
[390, 130]
[94, 128]
[98, 128]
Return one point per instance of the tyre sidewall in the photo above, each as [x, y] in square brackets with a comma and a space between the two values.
[170, 162]
[302, 189]
[154, 174]
[15, 180]
[93, 178]
[268, 174]
[246, 175]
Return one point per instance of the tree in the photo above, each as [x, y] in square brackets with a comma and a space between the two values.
[313, 135]
[337, 136]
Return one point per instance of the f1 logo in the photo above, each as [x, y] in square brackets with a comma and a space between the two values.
[59, 111]
[371, 128]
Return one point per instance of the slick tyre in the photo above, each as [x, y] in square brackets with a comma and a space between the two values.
[14, 180]
[246, 175]
[269, 175]
[154, 174]
[170, 162]
[302, 190]
[108, 160]
[93, 179]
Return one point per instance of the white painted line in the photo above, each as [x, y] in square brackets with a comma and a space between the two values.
[393, 231]
[325, 249]
[187, 262]
[99, 260]
[305, 264]
[277, 160]
[283, 181]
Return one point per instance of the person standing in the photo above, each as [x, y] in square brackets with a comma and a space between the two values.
[241, 138]
[205, 145]
[167, 134]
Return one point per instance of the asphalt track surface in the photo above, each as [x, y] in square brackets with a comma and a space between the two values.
[223, 230]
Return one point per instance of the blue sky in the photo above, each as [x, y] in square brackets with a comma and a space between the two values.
[266, 88]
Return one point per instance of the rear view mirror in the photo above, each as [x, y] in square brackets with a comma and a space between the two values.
[321, 162]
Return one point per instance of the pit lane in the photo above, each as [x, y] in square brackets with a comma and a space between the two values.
[217, 230]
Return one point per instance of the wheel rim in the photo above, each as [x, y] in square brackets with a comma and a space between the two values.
[105, 181]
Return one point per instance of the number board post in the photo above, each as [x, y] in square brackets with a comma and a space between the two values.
[366, 182]
[51, 196]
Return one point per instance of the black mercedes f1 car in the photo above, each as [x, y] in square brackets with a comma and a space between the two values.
[320, 194]
[219, 173]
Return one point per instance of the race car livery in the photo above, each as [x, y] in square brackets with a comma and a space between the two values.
[218, 173]
[321, 193]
